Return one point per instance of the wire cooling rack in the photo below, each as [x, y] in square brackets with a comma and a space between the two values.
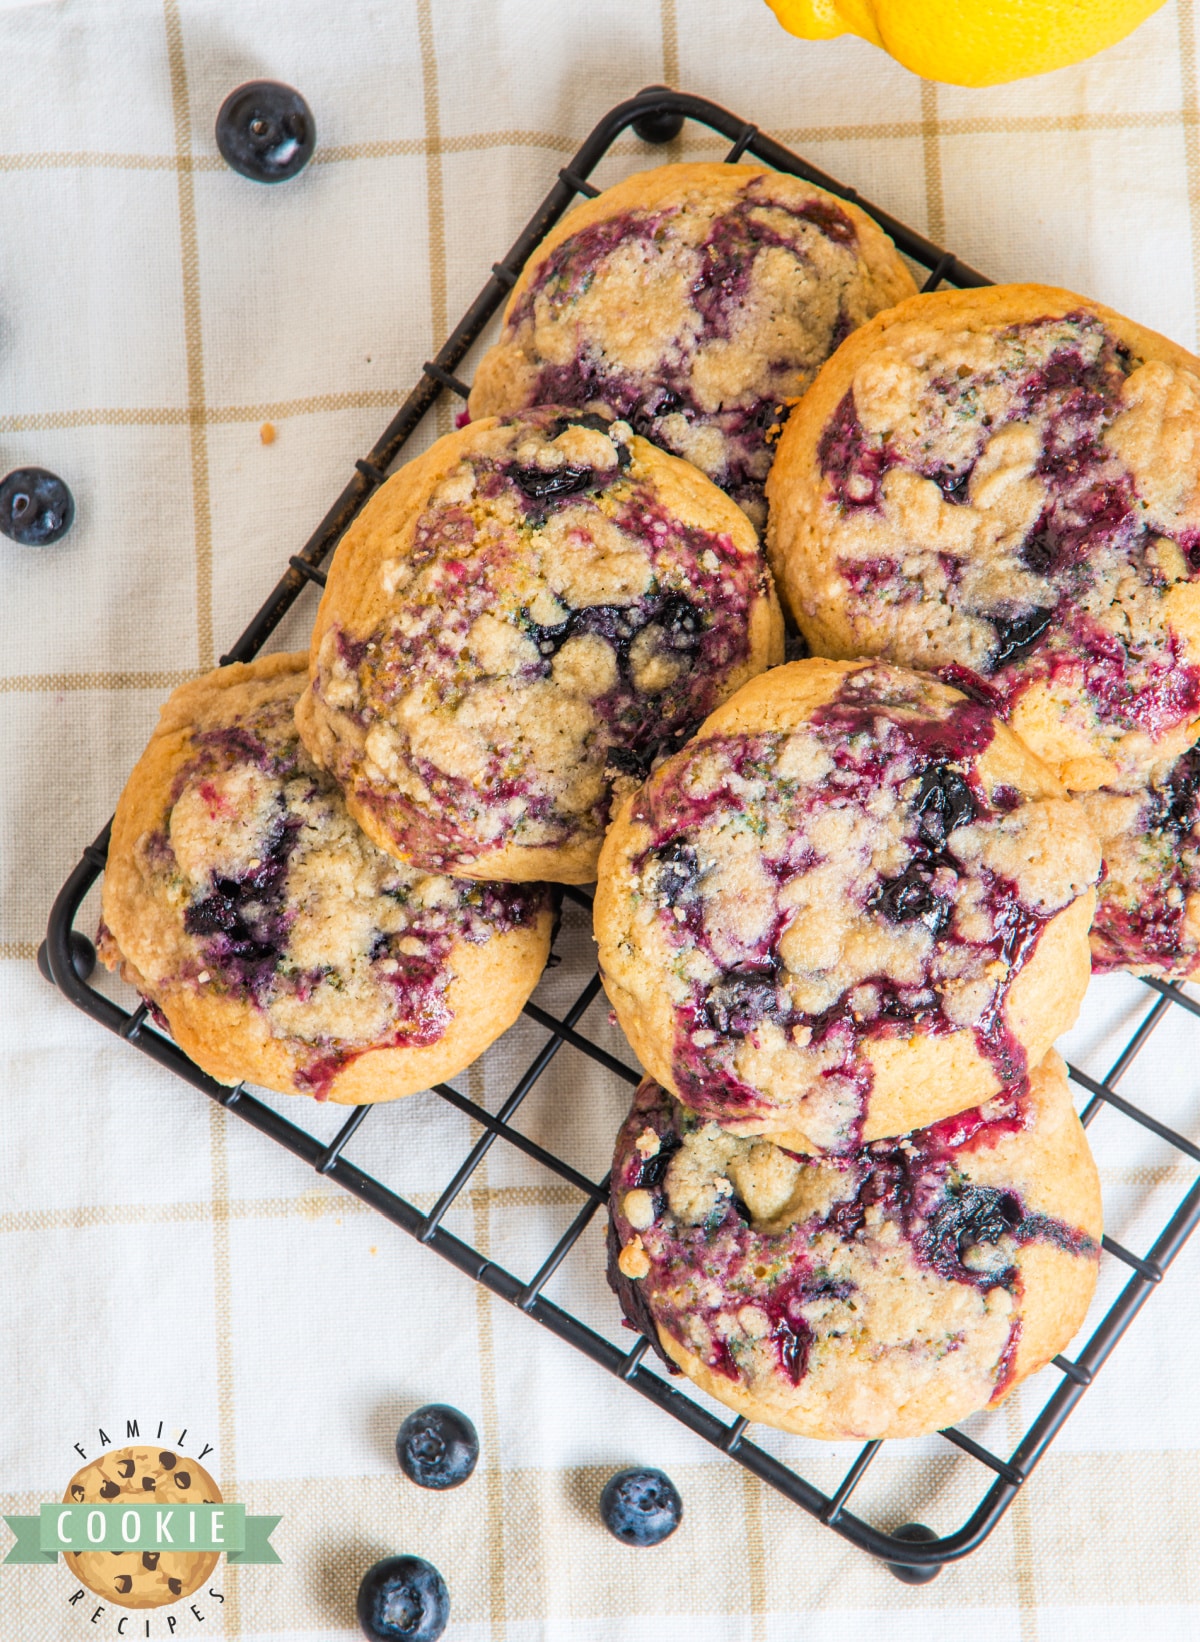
[913, 1553]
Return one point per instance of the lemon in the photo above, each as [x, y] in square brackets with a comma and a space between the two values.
[972, 42]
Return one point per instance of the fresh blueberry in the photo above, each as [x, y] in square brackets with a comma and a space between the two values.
[640, 1506]
[36, 508]
[915, 1533]
[403, 1599]
[437, 1447]
[266, 131]
[83, 957]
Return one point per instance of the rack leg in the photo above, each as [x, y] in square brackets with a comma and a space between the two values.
[915, 1533]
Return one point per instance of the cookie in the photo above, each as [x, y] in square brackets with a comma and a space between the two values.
[695, 301]
[142, 1579]
[854, 904]
[888, 1293]
[1148, 912]
[1005, 481]
[533, 610]
[272, 938]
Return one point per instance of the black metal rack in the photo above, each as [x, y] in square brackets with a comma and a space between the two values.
[656, 115]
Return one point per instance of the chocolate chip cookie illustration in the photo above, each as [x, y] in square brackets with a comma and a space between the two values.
[142, 1579]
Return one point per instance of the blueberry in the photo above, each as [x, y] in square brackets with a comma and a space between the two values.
[1179, 799]
[437, 1447]
[953, 486]
[640, 1506]
[658, 403]
[1039, 552]
[629, 761]
[403, 1599]
[653, 1170]
[678, 870]
[83, 957]
[681, 621]
[911, 896]
[1015, 638]
[266, 131]
[542, 483]
[36, 508]
[742, 1000]
[943, 803]
[971, 1214]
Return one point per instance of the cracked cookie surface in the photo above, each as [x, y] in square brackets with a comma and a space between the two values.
[696, 301]
[1148, 911]
[887, 1293]
[1004, 481]
[535, 610]
[275, 940]
[855, 903]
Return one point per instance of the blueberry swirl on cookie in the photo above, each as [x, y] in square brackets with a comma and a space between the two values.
[535, 610]
[853, 904]
[1002, 484]
[1148, 911]
[272, 938]
[886, 1293]
[695, 301]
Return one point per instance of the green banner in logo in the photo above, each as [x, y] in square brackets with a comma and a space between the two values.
[28, 1546]
[142, 1527]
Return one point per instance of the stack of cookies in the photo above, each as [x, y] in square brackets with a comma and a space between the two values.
[845, 905]
[842, 929]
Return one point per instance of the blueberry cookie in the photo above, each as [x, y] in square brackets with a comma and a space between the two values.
[887, 1293]
[695, 301]
[1148, 911]
[854, 904]
[142, 1579]
[272, 937]
[531, 611]
[1004, 483]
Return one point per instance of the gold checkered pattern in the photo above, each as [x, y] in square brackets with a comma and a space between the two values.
[163, 1262]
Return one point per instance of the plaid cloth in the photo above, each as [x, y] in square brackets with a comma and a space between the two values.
[164, 1262]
